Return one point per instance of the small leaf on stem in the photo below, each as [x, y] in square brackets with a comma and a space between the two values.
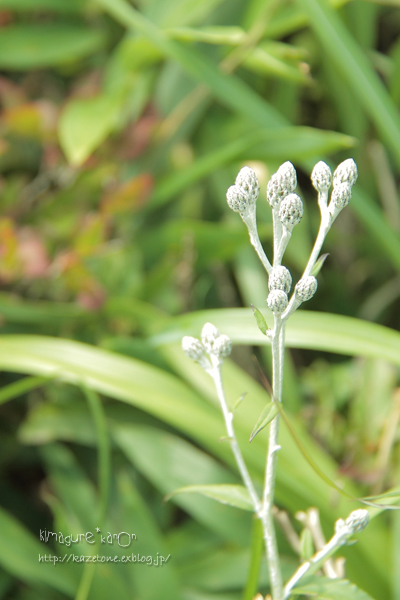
[266, 416]
[234, 495]
[261, 322]
[319, 264]
[238, 402]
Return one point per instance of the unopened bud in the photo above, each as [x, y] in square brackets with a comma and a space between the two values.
[341, 195]
[306, 288]
[209, 334]
[276, 189]
[289, 176]
[291, 211]
[346, 172]
[321, 177]
[222, 346]
[357, 520]
[237, 199]
[248, 183]
[277, 301]
[192, 347]
[280, 279]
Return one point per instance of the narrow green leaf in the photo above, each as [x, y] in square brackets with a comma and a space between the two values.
[228, 35]
[306, 544]
[59, 6]
[267, 415]
[319, 264]
[261, 322]
[18, 388]
[36, 46]
[331, 589]
[234, 495]
[257, 547]
[239, 402]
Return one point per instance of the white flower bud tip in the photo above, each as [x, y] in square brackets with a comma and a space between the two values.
[280, 279]
[209, 334]
[276, 189]
[306, 288]
[289, 176]
[357, 520]
[291, 211]
[248, 183]
[222, 346]
[321, 177]
[192, 347]
[341, 195]
[237, 199]
[277, 301]
[346, 172]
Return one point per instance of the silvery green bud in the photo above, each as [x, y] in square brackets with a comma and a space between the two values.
[277, 301]
[289, 176]
[321, 177]
[291, 211]
[357, 520]
[306, 288]
[280, 279]
[192, 347]
[209, 334]
[346, 172]
[237, 200]
[276, 189]
[341, 195]
[247, 181]
[222, 346]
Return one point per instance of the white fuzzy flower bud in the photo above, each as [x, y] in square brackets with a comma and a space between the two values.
[277, 301]
[291, 211]
[192, 347]
[280, 279]
[357, 520]
[289, 176]
[346, 172]
[248, 183]
[306, 288]
[237, 199]
[321, 177]
[276, 189]
[209, 334]
[222, 346]
[341, 195]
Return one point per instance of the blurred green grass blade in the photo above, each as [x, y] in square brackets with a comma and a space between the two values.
[15, 310]
[103, 449]
[234, 495]
[18, 388]
[331, 589]
[180, 12]
[229, 35]
[62, 6]
[37, 46]
[288, 143]
[257, 549]
[265, 63]
[169, 463]
[19, 555]
[352, 63]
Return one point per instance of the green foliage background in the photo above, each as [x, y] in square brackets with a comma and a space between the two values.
[122, 125]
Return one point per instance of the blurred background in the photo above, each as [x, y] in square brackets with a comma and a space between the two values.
[121, 127]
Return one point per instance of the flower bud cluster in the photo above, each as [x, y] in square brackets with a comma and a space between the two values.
[243, 195]
[280, 279]
[291, 211]
[344, 178]
[282, 183]
[277, 301]
[321, 177]
[355, 522]
[306, 288]
[214, 344]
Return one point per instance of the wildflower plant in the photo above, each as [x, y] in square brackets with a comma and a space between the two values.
[213, 348]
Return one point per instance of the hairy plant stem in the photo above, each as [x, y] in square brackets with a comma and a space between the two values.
[215, 373]
[270, 471]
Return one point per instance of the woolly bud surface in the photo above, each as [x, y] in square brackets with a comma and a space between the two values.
[222, 346]
[306, 288]
[346, 172]
[276, 189]
[277, 301]
[209, 334]
[321, 177]
[192, 347]
[289, 176]
[280, 279]
[291, 210]
[237, 199]
[357, 520]
[341, 195]
[247, 181]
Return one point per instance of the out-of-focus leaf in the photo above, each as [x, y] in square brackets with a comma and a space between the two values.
[306, 544]
[85, 123]
[36, 46]
[269, 413]
[210, 35]
[263, 62]
[180, 12]
[260, 320]
[234, 495]
[13, 390]
[331, 589]
[53, 5]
